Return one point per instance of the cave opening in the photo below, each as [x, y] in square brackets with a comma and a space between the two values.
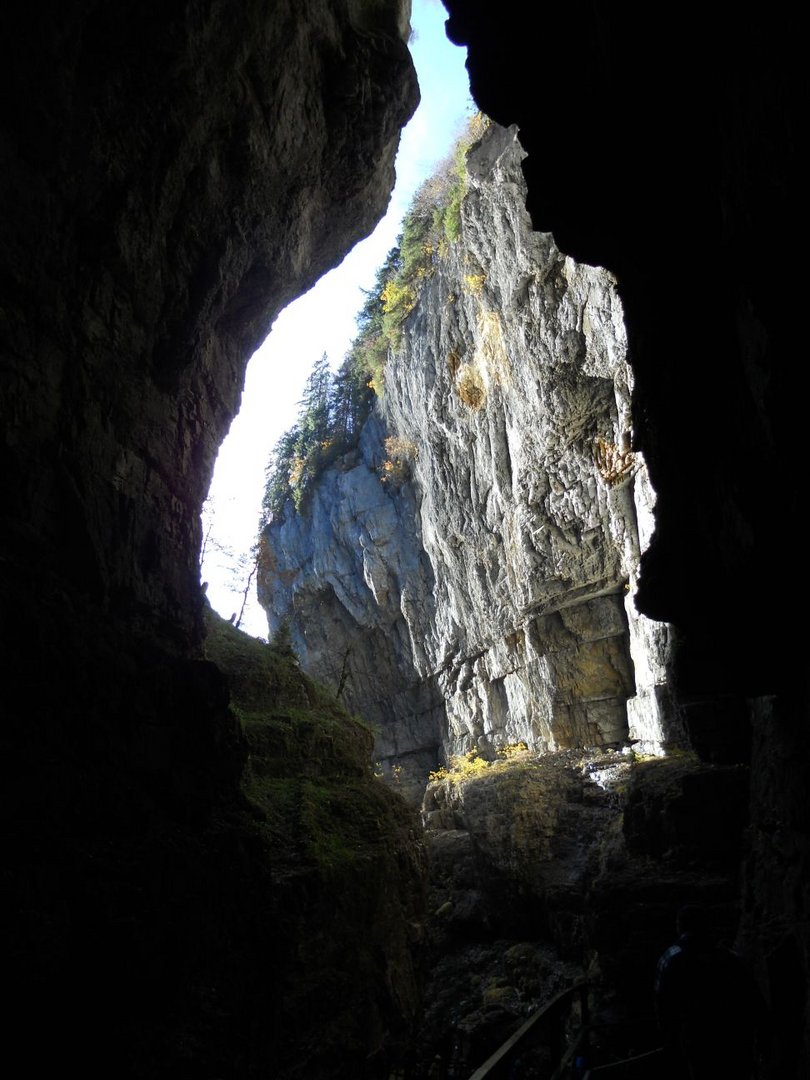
[498, 657]
[203, 876]
[322, 326]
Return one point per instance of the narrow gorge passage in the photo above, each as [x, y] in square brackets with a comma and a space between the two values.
[460, 568]
[558, 572]
[468, 562]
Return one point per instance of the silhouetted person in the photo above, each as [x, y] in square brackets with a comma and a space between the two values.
[712, 1016]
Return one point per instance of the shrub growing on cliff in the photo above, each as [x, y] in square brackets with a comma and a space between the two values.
[401, 453]
[461, 767]
[281, 643]
[432, 223]
[467, 766]
[335, 405]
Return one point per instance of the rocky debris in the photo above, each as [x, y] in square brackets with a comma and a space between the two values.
[478, 995]
[525, 834]
[508, 847]
[545, 869]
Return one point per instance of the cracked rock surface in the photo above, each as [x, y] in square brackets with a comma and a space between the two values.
[483, 596]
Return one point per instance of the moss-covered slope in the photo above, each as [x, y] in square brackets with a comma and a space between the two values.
[341, 869]
[270, 932]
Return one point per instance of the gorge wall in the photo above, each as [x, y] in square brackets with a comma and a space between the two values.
[673, 164]
[173, 175]
[466, 578]
[468, 571]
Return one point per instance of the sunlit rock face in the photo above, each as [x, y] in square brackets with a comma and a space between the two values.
[480, 591]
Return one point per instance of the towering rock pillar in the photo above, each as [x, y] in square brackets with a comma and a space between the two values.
[471, 565]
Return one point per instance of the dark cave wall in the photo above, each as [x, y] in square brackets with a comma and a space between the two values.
[667, 152]
[173, 174]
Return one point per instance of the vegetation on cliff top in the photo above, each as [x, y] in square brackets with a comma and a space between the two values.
[335, 405]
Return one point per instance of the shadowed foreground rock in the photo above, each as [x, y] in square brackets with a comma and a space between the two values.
[671, 161]
[173, 175]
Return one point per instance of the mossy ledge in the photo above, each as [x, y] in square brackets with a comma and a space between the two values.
[341, 870]
[271, 929]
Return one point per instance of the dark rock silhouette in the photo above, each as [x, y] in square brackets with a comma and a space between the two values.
[672, 147]
[173, 175]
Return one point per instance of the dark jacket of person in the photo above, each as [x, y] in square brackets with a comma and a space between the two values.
[710, 1011]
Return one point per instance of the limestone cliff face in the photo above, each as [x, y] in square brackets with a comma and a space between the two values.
[471, 565]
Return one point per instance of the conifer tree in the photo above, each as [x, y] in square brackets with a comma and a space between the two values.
[334, 406]
[313, 408]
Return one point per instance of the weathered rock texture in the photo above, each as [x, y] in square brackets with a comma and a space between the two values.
[480, 591]
[173, 174]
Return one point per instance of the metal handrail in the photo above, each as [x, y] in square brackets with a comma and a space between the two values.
[599, 1070]
[506, 1048]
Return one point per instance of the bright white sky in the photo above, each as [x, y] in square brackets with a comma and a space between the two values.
[323, 321]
